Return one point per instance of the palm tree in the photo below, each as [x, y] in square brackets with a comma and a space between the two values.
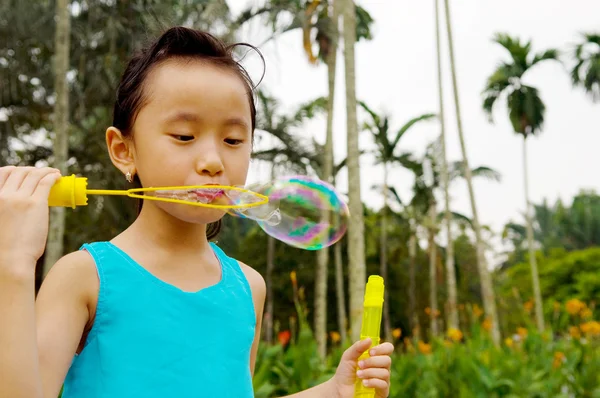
[60, 144]
[487, 291]
[450, 274]
[356, 243]
[386, 155]
[586, 72]
[289, 153]
[526, 112]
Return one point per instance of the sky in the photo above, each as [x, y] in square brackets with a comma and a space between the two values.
[396, 74]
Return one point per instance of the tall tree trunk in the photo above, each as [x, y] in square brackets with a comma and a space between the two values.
[339, 289]
[356, 244]
[323, 254]
[60, 144]
[433, 269]
[452, 312]
[487, 291]
[383, 265]
[412, 288]
[537, 294]
[268, 315]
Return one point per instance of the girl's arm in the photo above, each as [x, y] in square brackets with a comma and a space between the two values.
[64, 311]
[42, 339]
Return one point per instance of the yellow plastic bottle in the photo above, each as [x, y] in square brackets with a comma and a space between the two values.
[371, 325]
[69, 191]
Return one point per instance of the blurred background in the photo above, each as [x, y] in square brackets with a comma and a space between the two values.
[463, 135]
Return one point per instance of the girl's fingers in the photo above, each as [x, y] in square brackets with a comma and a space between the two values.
[374, 373]
[382, 361]
[33, 178]
[42, 191]
[15, 179]
[4, 174]
[382, 349]
[376, 383]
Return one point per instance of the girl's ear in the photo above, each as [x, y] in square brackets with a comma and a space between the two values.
[121, 150]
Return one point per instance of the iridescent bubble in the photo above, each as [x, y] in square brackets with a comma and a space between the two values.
[303, 212]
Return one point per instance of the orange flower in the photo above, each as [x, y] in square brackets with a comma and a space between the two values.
[335, 337]
[408, 344]
[509, 342]
[591, 328]
[284, 337]
[477, 311]
[559, 358]
[528, 306]
[574, 332]
[293, 278]
[522, 332]
[455, 334]
[586, 313]
[574, 306]
[424, 348]
[487, 324]
[436, 313]
[428, 310]
[396, 333]
[447, 343]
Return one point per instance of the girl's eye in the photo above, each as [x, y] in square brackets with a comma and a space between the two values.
[183, 138]
[233, 141]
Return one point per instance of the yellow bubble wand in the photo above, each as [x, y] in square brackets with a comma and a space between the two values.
[72, 191]
[371, 325]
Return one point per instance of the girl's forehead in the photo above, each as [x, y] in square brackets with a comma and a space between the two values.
[195, 87]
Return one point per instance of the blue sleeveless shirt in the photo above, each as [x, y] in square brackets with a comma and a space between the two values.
[151, 339]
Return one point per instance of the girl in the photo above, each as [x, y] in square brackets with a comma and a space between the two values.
[158, 311]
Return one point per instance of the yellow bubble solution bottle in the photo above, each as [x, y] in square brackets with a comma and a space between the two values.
[371, 325]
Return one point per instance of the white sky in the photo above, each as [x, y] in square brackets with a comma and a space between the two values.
[396, 72]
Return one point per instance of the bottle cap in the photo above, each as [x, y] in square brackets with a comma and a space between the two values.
[69, 191]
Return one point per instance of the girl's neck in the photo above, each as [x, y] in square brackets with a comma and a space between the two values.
[160, 229]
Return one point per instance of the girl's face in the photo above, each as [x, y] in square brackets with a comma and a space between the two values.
[194, 128]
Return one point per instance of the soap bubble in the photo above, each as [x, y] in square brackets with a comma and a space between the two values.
[303, 212]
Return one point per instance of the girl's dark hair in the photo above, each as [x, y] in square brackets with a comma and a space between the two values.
[175, 43]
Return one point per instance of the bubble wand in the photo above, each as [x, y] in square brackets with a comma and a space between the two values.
[371, 325]
[72, 191]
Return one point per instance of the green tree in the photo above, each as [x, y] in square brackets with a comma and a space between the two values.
[60, 142]
[487, 290]
[526, 113]
[586, 72]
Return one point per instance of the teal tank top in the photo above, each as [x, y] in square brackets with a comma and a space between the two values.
[151, 339]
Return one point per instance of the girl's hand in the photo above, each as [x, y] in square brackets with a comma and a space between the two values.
[374, 371]
[24, 212]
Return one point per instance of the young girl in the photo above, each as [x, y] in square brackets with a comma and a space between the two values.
[158, 311]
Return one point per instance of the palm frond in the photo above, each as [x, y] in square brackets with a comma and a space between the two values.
[409, 124]
[487, 173]
[526, 110]
[549, 54]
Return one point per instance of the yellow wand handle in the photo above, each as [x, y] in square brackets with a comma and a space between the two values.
[69, 191]
[371, 325]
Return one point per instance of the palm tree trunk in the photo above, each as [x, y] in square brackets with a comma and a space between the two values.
[323, 254]
[339, 289]
[537, 294]
[268, 315]
[487, 291]
[383, 266]
[433, 270]
[412, 295]
[356, 244]
[56, 232]
[452, 312]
